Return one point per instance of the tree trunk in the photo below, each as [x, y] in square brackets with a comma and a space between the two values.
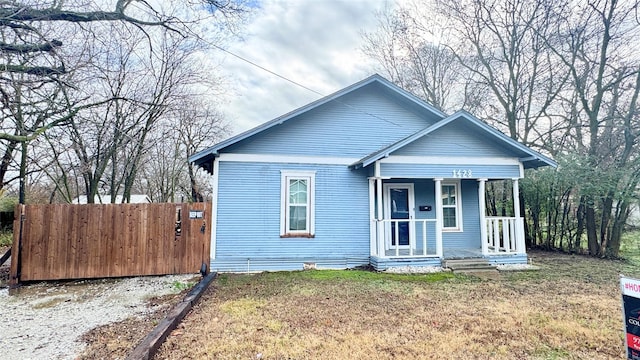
[605, 222]
[580, 214]
[590, 220]
[23, 173]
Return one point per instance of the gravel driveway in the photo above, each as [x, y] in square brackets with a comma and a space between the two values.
[46, 320]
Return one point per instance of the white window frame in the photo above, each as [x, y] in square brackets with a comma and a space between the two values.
[457, 206]
[286, 176]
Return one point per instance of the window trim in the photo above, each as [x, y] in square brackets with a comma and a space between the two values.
[458, 205]
[285, 176]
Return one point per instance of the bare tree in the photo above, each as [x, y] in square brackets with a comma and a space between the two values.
[167, 174]
[502, 46]
[152, 118]
[598, 52]
[413, 55]
[34, 39]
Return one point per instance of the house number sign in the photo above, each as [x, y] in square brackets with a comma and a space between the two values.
[462, 173]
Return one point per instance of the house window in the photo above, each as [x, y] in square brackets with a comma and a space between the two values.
[451, 214]
[297, 210]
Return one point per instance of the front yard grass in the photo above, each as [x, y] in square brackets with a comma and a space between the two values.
[570, 309]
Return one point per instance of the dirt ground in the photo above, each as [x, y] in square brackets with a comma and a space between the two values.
[84, 319]
[4, 268]
[116, 340]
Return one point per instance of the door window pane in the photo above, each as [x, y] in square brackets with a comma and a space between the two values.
[399, 202]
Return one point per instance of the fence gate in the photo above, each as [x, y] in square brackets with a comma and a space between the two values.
[70, 241]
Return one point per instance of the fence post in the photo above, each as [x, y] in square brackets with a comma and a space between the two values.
[16, 246]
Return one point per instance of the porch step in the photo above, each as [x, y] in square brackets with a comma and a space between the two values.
[469, 265]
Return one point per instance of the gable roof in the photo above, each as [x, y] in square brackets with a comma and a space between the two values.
[531, 158]
[204, 157]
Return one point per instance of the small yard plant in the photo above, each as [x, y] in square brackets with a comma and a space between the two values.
[181, 286]
[6, 238]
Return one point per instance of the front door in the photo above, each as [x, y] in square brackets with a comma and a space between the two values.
[399, 205]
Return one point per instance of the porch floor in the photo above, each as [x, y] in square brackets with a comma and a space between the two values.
[463, 253]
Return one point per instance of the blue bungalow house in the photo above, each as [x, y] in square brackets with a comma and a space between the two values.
[368, 175]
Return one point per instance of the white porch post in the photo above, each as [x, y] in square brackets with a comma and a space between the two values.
[516, 198]
[380, 216]
[483, 215]
[521, 247]
[439, 251]
[372, 215]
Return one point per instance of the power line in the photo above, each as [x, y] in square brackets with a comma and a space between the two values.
[265, 69]
[299, 84]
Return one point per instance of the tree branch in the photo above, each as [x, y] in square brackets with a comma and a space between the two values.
[33, 70]
[24, 13]
[29, 48]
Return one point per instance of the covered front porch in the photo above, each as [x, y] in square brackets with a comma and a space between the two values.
[422, 221]
[427, 195]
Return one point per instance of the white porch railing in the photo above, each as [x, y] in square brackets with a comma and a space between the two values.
[504, 235]
[419, 243]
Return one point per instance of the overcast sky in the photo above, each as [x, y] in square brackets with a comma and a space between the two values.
[315, 43]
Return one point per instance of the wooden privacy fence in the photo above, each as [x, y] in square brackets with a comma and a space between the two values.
[68, 241]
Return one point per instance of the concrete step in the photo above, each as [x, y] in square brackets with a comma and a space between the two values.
[474, 267]
[458, 263]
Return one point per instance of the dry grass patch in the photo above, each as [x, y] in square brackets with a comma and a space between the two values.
[568, 310]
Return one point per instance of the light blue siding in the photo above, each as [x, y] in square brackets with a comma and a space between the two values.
[248, 218]
[446, 171]
[470, 236]
[286, 263]
[355, 126]
[456, 139]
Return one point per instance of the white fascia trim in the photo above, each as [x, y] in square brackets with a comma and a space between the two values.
[291, 159]
[214, 208]
[450, 160]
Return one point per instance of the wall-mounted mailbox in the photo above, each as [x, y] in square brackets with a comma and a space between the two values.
[424, 207]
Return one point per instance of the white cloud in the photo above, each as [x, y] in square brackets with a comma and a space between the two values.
[315, 43]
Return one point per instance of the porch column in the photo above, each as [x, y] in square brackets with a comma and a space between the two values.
[520, 244]
[483, 215]
[516, 198]
[372, 215]
[439, 217]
